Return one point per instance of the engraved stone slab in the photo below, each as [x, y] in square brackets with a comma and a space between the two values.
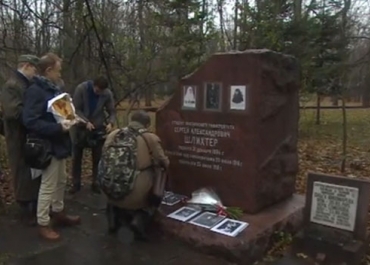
[217, 129]
[334, 205]
[336, 218]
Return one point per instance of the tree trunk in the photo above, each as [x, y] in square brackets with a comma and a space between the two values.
[140, 13]
[220, 6]
[335, 100]
[347, 6]
[297, 10]
[235, 42]
[318, 109]
[366, 91]
[344, 139]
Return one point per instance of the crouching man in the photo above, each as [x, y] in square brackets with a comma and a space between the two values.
[128, 174]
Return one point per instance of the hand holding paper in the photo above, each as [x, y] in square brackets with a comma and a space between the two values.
[67, 124]
[63, 110]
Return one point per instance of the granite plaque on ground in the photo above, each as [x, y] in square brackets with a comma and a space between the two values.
[233, 125]
[336, 217]
[334, 205]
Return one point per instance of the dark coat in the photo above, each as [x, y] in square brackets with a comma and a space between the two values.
[25, 188]
[104, 113]
[41, 123]
[105, 105]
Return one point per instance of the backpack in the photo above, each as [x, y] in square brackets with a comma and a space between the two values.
[117, 169]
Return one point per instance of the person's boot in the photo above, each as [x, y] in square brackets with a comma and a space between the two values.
[139, 224]
[62, 219]
[47, 233]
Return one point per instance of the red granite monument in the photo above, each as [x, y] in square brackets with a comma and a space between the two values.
[232, 125]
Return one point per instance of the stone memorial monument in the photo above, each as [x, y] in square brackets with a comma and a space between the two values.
[336, 216]
[233, 125]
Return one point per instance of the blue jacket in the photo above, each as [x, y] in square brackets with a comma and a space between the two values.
[42, 124]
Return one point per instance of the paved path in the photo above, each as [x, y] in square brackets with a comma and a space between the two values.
[89, 244]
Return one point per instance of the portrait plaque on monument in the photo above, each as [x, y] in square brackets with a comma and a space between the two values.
[224, 139]
[189, 97]
[238, 98]
[212, 96]
[334, 205]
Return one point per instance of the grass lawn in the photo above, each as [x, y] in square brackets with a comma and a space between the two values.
[320, 146]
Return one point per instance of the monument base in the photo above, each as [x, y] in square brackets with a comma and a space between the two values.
[251, 244]
[330, 253]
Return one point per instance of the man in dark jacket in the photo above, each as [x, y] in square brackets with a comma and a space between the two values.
[25, 189]
[42, 125]
[92, 99]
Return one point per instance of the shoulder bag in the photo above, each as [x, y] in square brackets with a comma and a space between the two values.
[37, 153]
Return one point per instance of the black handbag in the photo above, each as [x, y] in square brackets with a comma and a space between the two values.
[90, 139]
[37, 153]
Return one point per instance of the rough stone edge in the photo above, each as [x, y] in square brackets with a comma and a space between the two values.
[248, 51]
[244, 253]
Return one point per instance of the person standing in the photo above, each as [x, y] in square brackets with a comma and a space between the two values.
[42, 125]
[92, 100]
[25, 188]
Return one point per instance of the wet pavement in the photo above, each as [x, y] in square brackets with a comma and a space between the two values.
[89, 243]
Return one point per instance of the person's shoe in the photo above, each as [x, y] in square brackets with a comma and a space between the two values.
[47, 233]
[95, 188]
[62, 219]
